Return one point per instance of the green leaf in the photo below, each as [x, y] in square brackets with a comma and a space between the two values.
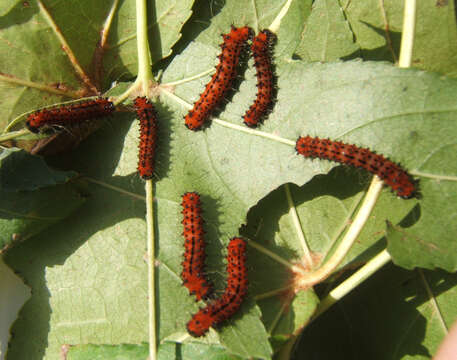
[27, 213]
[434, 39]
[166, 19]
[193, 351]
[7, 5]
[397, 314]
[327, 35]
[332, 199]
[20, 171]
[39, 60]
[105, 352]
[380, 102]
[199, 161]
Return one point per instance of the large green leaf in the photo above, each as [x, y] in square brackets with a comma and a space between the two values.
[392, 111]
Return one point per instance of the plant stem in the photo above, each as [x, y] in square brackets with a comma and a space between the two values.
[274, 27]
[298, 228]
[144, 80]
[151, 268]
[407, 36]
[144, 59]
[276, 257]
[348, 240]
[13, 134]
[352, 282]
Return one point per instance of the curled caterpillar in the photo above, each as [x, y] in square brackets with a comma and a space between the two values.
[391, 173]
[220, 83]
[193, 265]
[261, 50]
[148, 135]
[69, 114]
[228, 304]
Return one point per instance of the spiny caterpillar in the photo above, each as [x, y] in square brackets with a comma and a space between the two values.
[220, 83]
[193, 265]
[392, 174]
[148, 135]
[69, 114]
[261, 50]
[228, 304]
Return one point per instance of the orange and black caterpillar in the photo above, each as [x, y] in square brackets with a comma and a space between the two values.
[391, 173]
[261, 50]
[220, 83]
[69, 114]
[228, 304]
[193, 265]
[148, 135]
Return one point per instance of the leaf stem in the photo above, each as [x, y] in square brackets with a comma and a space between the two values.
[277, 258]
[144, 58]
[188, 79]
[230, 125]
[407, 36]
[298, 227]
[387, 31]
[13, 134]
[353, 281]
[66, 48]
[433, 302]
[35, 85]
[434, 176]
[407, 43]
[274, 27]
[144, 79]
[151, 268]
[348, 240]
[117, 189]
